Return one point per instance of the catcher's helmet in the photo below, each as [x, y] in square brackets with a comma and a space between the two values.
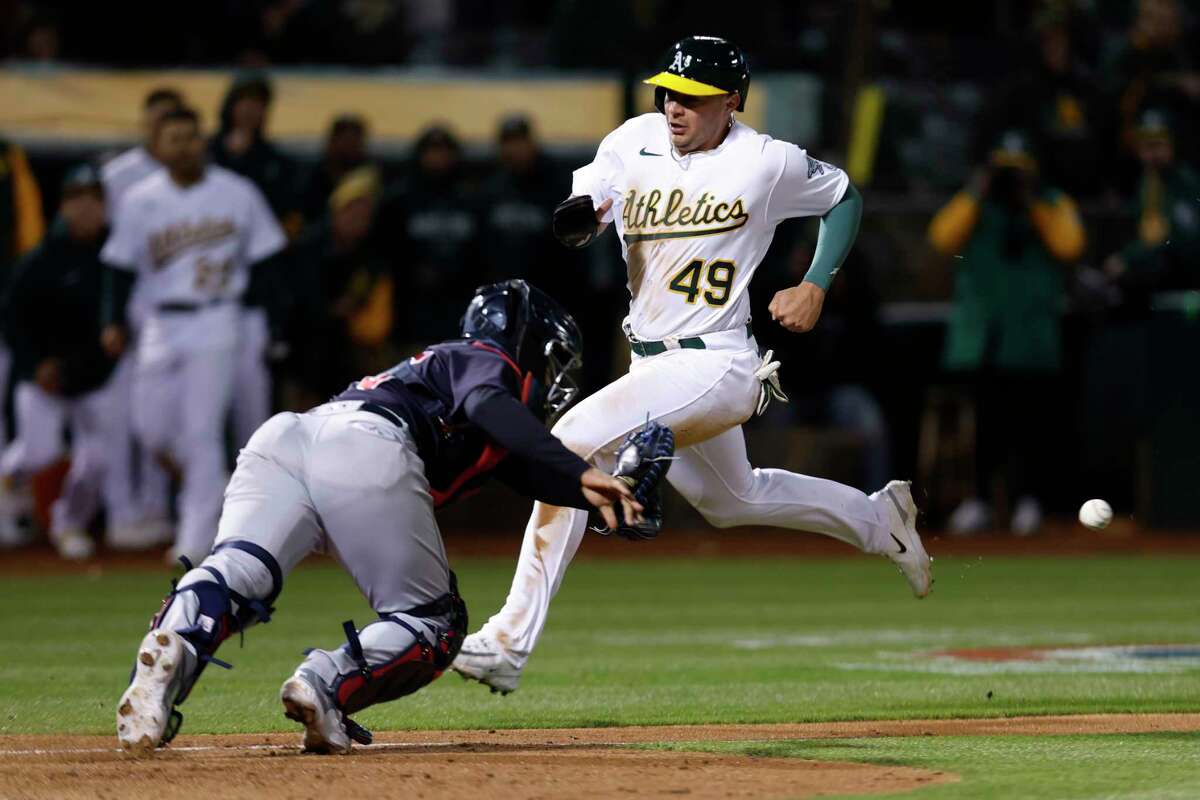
[537, 332]
[702, 65]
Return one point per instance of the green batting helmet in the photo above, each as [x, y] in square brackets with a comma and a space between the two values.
[702, 65]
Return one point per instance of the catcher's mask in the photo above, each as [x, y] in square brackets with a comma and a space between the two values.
[538, 333]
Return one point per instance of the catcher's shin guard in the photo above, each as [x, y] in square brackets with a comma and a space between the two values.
[357, 675]
[231, 589]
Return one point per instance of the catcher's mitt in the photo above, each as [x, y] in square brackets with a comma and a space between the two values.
[642, 462]
[574, 221]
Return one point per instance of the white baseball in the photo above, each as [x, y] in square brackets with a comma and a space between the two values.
[1095, 514]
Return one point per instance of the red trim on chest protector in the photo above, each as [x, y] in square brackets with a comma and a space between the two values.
[526, 382]
[488, 459]
[507, 359]
[492, 455]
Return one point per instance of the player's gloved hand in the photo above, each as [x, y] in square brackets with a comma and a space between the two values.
[642, 462]
[606, 493]
[575, 221]
[769, 388]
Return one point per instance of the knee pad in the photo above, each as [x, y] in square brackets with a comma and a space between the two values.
[220, 610]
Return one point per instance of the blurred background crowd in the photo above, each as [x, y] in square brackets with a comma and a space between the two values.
[1012, 329]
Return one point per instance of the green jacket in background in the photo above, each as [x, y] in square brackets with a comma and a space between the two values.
[1008, 299]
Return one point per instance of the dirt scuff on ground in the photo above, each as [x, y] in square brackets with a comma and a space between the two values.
[580, 762]
[448, 771]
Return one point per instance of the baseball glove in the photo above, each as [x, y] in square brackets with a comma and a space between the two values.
[574, 221]
[642, 462]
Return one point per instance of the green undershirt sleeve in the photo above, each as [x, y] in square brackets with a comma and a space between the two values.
[839, 228]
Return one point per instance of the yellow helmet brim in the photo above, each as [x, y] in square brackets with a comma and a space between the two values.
[678, 83]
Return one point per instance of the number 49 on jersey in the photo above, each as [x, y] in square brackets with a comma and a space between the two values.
[712, 280]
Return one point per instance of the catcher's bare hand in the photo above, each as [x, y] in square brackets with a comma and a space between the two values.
[799, 307]
[602, 490]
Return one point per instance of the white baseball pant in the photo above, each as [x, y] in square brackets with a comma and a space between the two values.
[704, 396]
[99, 455]
[179, 410]
[150, 484]
[252, 384]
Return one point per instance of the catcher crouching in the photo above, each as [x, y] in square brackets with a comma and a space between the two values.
[361, 477]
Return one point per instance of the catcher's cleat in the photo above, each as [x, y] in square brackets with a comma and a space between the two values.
[146, 715]
[305, 702]
[484, 659]
[909, 553]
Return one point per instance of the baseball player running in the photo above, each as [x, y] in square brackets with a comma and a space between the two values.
[695, 197]
[361, 477]
[190, 233]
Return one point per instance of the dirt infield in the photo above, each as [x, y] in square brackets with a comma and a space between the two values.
[580, 762]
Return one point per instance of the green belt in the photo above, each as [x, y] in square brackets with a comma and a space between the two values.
[691, 343]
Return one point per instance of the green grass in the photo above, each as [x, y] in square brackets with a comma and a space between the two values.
[649, 642]
[1164, 766]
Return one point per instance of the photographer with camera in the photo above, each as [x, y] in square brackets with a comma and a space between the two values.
[1010, 237]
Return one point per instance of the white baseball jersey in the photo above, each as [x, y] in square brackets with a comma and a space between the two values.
[694, 228]
[121, 172]
[191, 248]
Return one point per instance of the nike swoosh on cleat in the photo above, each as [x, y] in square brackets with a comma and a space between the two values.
[900, 544]
[645, 152]
[900, 508]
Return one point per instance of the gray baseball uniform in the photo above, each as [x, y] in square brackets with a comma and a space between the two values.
[360, 477]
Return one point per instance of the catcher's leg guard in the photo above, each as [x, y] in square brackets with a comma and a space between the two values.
[389, 658]
[232, 589]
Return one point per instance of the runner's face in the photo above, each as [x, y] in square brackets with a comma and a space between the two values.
[697, 123]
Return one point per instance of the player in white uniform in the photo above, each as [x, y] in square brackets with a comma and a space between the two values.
[695, 197]
[191, 233]
[121, 172]
[152, 485]
[56, 323]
